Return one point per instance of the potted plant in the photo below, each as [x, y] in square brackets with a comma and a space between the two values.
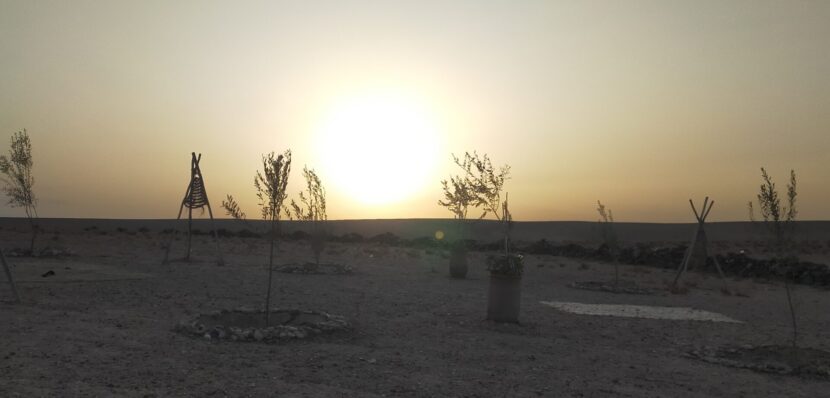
[504, 299]
[485, 184]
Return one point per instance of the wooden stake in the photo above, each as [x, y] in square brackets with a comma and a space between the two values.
[707, 211]
[9, 277]
[697, 217]
[189, 232]
[701, 219]
[687, 257]
[187, 201]
[720, 272]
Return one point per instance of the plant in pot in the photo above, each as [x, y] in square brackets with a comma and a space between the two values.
[506, 269]
[487, 183]
[458, 197]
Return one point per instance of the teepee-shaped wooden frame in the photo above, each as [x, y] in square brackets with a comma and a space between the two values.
[195, 198]
[9, 277]
[697, 252]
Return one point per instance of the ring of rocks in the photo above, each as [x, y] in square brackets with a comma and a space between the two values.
[315, 269]
[622, 287]
[249, 326]
[776, 359]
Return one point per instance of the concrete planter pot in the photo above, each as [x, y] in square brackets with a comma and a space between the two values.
[505, 296]
[504, 299]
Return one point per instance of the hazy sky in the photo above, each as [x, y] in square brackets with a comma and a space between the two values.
[640, 104]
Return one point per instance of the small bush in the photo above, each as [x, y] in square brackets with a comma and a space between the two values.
[298, 235]
[224, 233]
[19, 182]
[351, 237]
[386, 238]
[248, 234]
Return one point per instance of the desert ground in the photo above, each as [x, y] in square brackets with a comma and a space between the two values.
[104, 324]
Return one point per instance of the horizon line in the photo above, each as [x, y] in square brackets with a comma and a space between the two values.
[394, 219]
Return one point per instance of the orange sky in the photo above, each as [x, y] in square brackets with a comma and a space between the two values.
[642, 105]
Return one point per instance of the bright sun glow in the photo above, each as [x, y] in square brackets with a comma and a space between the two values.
[380, 148]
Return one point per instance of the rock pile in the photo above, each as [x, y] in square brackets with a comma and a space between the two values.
[239, 325]
[44, 252]
[624, 287]
[312, 268]
[803, 272]
[783, 360]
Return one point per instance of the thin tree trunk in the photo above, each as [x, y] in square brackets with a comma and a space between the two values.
[10, 277]
[783, 250]
[792, 312]
[189, 232]
[270, 273]
[32, 243]
[316, 242]
[34, 232]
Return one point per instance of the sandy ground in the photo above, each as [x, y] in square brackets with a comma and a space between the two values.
[102, 326]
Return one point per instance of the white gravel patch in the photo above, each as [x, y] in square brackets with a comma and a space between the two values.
[640, 311]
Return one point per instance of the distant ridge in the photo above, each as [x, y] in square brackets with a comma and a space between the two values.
[484, 230]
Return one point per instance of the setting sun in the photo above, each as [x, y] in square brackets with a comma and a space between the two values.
[379, 148]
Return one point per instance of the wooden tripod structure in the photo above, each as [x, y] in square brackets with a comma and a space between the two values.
[9, 277]
[697, 253]
[195, 198]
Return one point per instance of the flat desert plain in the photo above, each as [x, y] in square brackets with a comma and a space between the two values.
[103, 324]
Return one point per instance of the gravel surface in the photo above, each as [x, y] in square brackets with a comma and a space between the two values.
[103, 325]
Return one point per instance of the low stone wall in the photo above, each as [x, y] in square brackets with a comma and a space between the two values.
[733, 264]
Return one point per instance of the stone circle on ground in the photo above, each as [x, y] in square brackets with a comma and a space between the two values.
[624, 287]
[247, 325]
[43, 252]
[316, 269]
[777, 359]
